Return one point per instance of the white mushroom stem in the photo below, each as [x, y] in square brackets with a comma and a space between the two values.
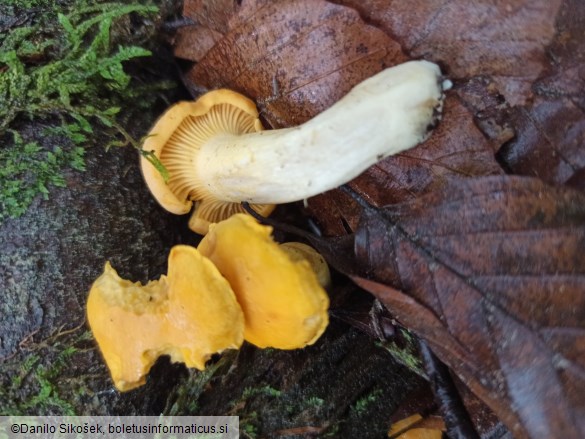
[384, 115]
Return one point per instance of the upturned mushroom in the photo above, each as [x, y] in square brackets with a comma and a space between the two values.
[218, 156]
[189, 314]
[284, 306]
[176, 140]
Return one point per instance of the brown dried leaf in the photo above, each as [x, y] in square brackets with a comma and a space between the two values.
[193, 42]
[211, 14]
[530, 53]
[491, 273]
[503, 40]
[294, 58]
[550, 140]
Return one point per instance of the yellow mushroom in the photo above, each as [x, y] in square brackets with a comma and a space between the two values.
[298, 251]
[284, 306]
[218, 155]
[189, 314]
[177, 140]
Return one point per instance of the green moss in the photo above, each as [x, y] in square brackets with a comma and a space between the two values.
[249, 425]
[34, 387]
[311, 405]
[185, 398]
[405, 351]
[362, 404]
[28, 170]
[264, 390]
[333, 430]
[314, 402]
[250, 422]
[61, 66]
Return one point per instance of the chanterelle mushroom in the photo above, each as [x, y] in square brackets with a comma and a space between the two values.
[385, 114]
[177, 140]
[298, 251]
[284, 305]
[189, 314]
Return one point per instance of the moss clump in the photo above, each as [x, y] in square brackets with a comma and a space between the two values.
[28, 170]
[404, 349]
[361, 405]
[61, 66]
[33, 387]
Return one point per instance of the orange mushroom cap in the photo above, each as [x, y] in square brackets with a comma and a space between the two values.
[298, 251]
[175, 140]
[189, 314]
[284, 305]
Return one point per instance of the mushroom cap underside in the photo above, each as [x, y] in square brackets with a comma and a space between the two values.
[175, 140]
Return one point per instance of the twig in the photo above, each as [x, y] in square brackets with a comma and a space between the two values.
[456, 417]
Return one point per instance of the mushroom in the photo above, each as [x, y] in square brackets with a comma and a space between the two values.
[298, 251]
[189, 314]
[176, 140]
[284, 306]
[209, 159]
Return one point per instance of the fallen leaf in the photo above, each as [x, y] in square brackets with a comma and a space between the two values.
[565, 75]
[211, 14]
[551, 133]
[294, 58]
[550, 142]
[531, 53]
[193, 42]
[490, 110]
[472, 39]
[491, 273]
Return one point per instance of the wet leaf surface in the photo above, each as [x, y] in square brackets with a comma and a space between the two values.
[550, 141]
[294, 58]
[551, 132]
[491, 274]
[472, 38]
